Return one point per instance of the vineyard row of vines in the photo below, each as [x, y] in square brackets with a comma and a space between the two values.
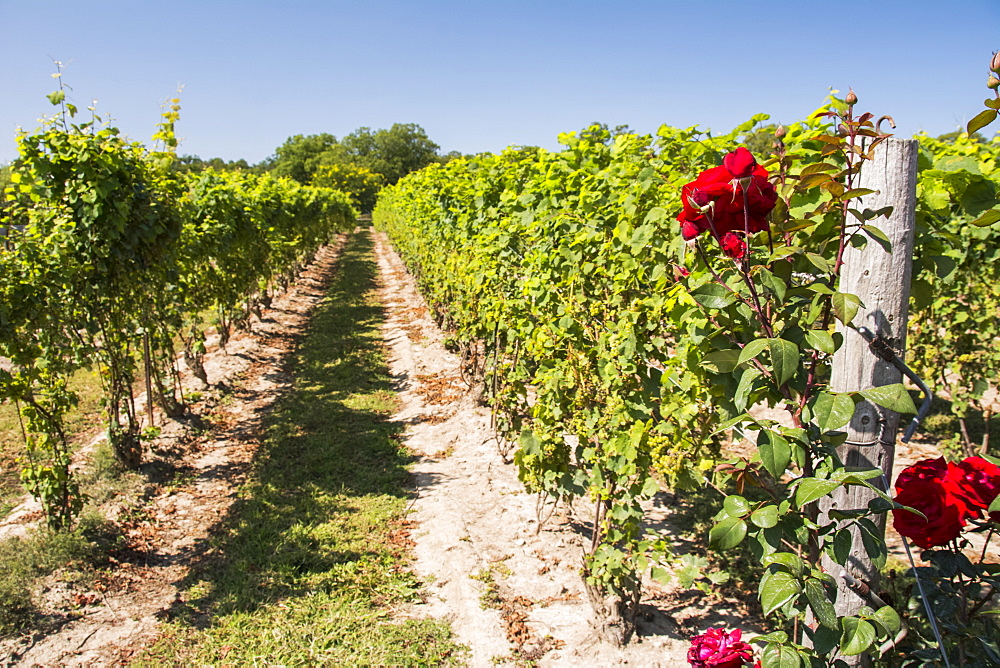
[617, 354]
[112, 260]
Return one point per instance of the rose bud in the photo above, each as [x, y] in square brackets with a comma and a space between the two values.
[700, 199]
[851, 98]
[780, 132]
[995, 63]
[993, 83]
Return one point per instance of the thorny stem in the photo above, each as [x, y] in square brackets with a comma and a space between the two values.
[813, 362]
[743, 268]
[981, 602]
[987, 543]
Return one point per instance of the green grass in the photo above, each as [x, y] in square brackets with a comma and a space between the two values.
[305, 570]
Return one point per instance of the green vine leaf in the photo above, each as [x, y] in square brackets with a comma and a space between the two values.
[874, 543]
[780, 656]
[857, 192]
[722, 361]
[765, 517]
[840, 549]
[879, 236]
[736, 506]
[995, 506]
[988, 218]
[832, 411]
[821, 341]
[713, 296]
[845, 307]
[821, 605]
[752, 349]
[784, 359]
[775, 453]
[888, 618]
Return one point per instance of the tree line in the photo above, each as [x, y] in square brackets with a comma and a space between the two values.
[359, 163]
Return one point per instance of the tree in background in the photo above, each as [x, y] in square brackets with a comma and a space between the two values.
[452, 155]
[193, 163]
[603, 132]
[300, 156]
[391, 153]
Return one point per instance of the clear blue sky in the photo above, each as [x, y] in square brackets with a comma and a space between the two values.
[481, 75]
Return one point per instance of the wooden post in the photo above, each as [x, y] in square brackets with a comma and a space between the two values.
[882, 281]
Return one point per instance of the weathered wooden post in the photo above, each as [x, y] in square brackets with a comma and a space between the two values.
[882, 281]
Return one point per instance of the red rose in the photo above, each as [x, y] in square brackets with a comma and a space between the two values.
[717, 649]
[716, 198]
[740, 163]
[935, 488]
[979, 481]
[733, 246]
[924, 469]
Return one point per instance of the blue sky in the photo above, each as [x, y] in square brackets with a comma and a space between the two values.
[478, 75]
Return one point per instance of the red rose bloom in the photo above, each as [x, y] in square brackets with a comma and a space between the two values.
[717, 649]
[716, 198]
[945, 514]
[925, 469]
[979, 481]
[934, 487]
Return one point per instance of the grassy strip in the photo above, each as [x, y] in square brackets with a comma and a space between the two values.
[312, 557]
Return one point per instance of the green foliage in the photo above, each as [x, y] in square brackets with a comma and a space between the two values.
[962, 595]
[360, 183]
[107, 251]
[557, 272]
[955, 340]
[192, 163]
[301, 155]
[610, 349]
[391, 153]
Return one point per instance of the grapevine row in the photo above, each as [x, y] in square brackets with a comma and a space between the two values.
[613, 354]
[109, 254]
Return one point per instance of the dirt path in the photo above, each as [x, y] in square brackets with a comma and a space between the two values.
[106, 625]
[508, 590]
